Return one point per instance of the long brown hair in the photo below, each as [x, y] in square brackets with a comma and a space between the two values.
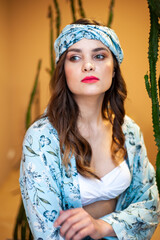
[63, 113]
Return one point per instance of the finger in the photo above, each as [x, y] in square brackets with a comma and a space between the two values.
[74, 224]
[61, 212]
[64, 215]
[78, 226]
[79, 216]
[84, 232]
[69, 222]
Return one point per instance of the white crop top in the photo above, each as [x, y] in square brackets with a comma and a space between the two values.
[110, 186]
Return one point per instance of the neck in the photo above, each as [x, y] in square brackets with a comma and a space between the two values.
[90, 113]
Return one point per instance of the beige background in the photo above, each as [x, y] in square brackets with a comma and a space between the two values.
[24, 38]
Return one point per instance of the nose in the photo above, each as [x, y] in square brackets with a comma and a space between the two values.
[88, 66]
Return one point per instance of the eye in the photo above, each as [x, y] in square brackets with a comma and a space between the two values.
[100, 56]
[74, 58]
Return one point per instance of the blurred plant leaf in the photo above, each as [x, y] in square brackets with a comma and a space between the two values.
[28, 115]
[110, 18]
[73, 10]
[81, 9]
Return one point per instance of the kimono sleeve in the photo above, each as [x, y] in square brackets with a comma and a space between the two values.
[136, 215]
[40, 180]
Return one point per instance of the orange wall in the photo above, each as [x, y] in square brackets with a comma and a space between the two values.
[27, 25]
[5, 106]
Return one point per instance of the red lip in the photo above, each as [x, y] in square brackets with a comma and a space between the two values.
[90, 79]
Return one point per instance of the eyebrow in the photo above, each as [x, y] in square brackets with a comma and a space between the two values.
[100, 49]
[94, 50]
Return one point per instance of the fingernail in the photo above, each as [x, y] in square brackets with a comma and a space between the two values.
[55, 224]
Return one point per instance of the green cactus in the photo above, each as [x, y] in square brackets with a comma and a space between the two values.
[28, 114]
[73, 10]
[58, 16]
[151, 81]
[52, 63]
[110, 18]
[81, 9]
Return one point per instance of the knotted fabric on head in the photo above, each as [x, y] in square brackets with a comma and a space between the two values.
[75, 32]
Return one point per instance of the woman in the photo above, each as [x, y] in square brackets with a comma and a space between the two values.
[82, 176]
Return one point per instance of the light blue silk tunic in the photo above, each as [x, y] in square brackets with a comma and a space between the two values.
[47, 187]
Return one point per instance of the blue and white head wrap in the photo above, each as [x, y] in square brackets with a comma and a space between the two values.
[75, 32]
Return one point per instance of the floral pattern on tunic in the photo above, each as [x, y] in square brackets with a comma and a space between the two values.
[47, 187]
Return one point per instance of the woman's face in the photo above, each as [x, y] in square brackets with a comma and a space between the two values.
[88, 68]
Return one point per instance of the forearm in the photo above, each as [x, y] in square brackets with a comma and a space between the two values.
[101, 208]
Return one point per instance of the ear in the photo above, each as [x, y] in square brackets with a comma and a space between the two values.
[113, 75]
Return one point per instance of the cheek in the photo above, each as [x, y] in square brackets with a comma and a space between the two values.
[108, 71]
[108, 75]
[70, 77]
[68, 72]
[110, 67]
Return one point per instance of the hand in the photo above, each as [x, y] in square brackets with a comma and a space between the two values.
[77, 224]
